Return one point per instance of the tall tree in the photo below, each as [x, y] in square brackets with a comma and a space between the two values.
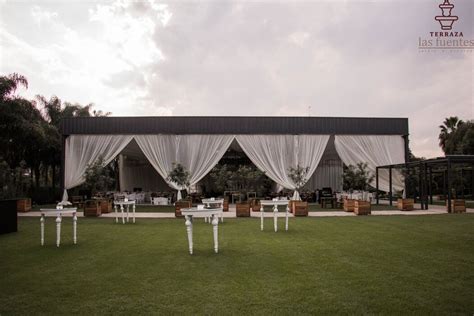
[449, 127]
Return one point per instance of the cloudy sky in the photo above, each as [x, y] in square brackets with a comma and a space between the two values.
[265, 58]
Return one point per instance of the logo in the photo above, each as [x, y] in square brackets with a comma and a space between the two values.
[448, 39]
[446, 20]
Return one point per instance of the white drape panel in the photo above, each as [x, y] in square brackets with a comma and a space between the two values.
[275, 154]
[375, 150]
[197, 153]
[83, 150]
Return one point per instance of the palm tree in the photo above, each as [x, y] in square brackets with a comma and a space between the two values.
[9, 84]
[450, 125]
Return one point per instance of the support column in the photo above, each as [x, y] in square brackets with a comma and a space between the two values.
[390, 185]
[63, 163]
[430, 188]
[377, 185]
[427, 185]
[449, 174]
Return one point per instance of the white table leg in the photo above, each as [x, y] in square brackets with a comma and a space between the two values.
[275, 217]
[189, 229]
[58, 230]
[286, 219]
[261, 217]
[133, 213]
[74, 227]
[222, 217]
[205, 219]
[128, 209]
[42, 229]
[116, 215]
[121, 209]
[215, 223]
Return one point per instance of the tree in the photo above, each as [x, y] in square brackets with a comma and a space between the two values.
[97, 177]
[9, 84]
[299, 176]
[357, 177]
[448, 129]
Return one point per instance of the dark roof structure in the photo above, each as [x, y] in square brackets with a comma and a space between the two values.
[235, 125]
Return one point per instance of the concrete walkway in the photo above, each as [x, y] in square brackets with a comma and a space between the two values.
[433, 210]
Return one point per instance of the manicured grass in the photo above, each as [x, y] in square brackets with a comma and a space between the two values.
[356, 265]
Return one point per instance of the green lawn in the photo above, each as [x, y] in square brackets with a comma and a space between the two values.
[357, 265]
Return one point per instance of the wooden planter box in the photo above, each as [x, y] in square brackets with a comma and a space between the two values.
[77, 201]
[242, 210]
[349, 205]
[105, 206]
[255, 205]
[23, 205]
[225, 205]
[299, 208]
[457, 206]
[92, 208]
[361, 207]
[179, 205]
[405, 204]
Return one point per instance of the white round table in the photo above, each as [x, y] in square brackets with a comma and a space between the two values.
[59, 212]
[275, 205]
[189, 213]
[122, 203]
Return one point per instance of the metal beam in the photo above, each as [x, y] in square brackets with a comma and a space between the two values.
[377, 184]
[390, 185]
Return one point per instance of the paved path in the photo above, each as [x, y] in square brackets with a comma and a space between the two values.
[434, 210]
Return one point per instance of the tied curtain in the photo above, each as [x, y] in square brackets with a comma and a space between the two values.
[275, 154]
[83, 150]
[375, 150]
[197, 153]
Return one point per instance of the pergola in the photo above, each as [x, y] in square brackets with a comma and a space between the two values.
[426, 168]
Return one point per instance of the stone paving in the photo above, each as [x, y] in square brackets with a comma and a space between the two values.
[433, 210]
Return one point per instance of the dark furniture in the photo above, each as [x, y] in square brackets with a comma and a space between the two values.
[8, 216]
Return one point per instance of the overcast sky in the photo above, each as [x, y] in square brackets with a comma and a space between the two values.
[318, 58]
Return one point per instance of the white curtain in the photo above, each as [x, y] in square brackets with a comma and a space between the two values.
[375, 150]
[197, 153]
[275, 154]
[83, 150]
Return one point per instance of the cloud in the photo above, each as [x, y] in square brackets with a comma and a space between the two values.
[340, 58]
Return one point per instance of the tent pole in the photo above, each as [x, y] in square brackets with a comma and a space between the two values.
[63, 163]
[390, 184]
[420, 185]
[431, 185]
[449, 185]
[377, 184]
[427, 185]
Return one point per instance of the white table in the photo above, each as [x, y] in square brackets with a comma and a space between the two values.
[59, 213]
[214, 203]
[160, 201]
[122, 203]
[275, 205]
[189, 213]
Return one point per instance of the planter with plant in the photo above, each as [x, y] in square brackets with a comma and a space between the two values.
[97, 179]
[357, 177]
[299, 176]
[180, 177]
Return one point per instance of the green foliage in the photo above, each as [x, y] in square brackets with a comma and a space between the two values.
[179, 175]
[97, 177]
[356, 177]
[457, 136]
[29, 138]
[299, 176]
[241, 177]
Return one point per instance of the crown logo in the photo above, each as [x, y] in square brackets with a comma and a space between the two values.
[446, 20]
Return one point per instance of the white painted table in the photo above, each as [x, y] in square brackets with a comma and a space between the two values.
[59, 213]
[189, 213]
[121, 204]
[214, 203]
[275, 205]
